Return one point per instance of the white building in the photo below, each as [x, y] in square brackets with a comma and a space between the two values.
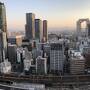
[5, 67]
[19, 52]
[24, 56]
[27, 59]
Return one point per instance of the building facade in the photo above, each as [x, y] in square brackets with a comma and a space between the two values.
[30, 26]
[41, 65]
[77, 63]
[3, 32]
[45, 32]
[88, 25]
[57, 57]
[15, 40]
[38, 30]
[12, 53]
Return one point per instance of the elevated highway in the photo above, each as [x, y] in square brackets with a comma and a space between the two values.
[48, 80]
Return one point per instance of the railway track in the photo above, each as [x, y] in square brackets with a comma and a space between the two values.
[47, 79]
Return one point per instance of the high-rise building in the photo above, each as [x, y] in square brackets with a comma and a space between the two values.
[12, 53]
[57, 57]
[45, 32]
[38, 30]
[41, 65]
[86, 53]
[79, 27]
[77, 63]
[3, 32]
[88, 25]
[30, 26]
[3, 24]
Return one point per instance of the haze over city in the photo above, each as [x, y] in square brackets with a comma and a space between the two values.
[61, 14]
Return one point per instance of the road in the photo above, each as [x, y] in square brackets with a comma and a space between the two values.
[49, 80]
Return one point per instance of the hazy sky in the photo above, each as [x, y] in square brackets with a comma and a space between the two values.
[59, 13]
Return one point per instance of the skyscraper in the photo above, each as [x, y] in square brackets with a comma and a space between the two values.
[41, 65]
[88, 25]
[38, 30]
[45, 33]
[30, 26]
[3, 24]
[77, 62]
[3, 32]
[57, 57]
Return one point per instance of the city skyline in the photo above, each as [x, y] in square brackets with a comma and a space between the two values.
[37, 59]
[61, 14]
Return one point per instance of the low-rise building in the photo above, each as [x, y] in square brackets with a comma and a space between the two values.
[5, 67]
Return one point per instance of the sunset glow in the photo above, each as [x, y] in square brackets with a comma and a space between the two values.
[59, 13]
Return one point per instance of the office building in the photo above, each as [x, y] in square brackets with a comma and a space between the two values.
[17, 40]
[46, 54]
[38, 30]
[46, 49]
[3, 24]
[57, 57]
[20, 58]
[33, 69]
[36, 53]
[12, 53]
[77, 63]
[12, 40]
[87, 61]
[27, 55]
[30, 26]
[45, 32]
[26, 44]
[41, 65]
[86, 54]
[88, 25]
[3, 32]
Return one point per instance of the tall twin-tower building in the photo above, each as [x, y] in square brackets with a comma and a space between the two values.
[36, 29]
